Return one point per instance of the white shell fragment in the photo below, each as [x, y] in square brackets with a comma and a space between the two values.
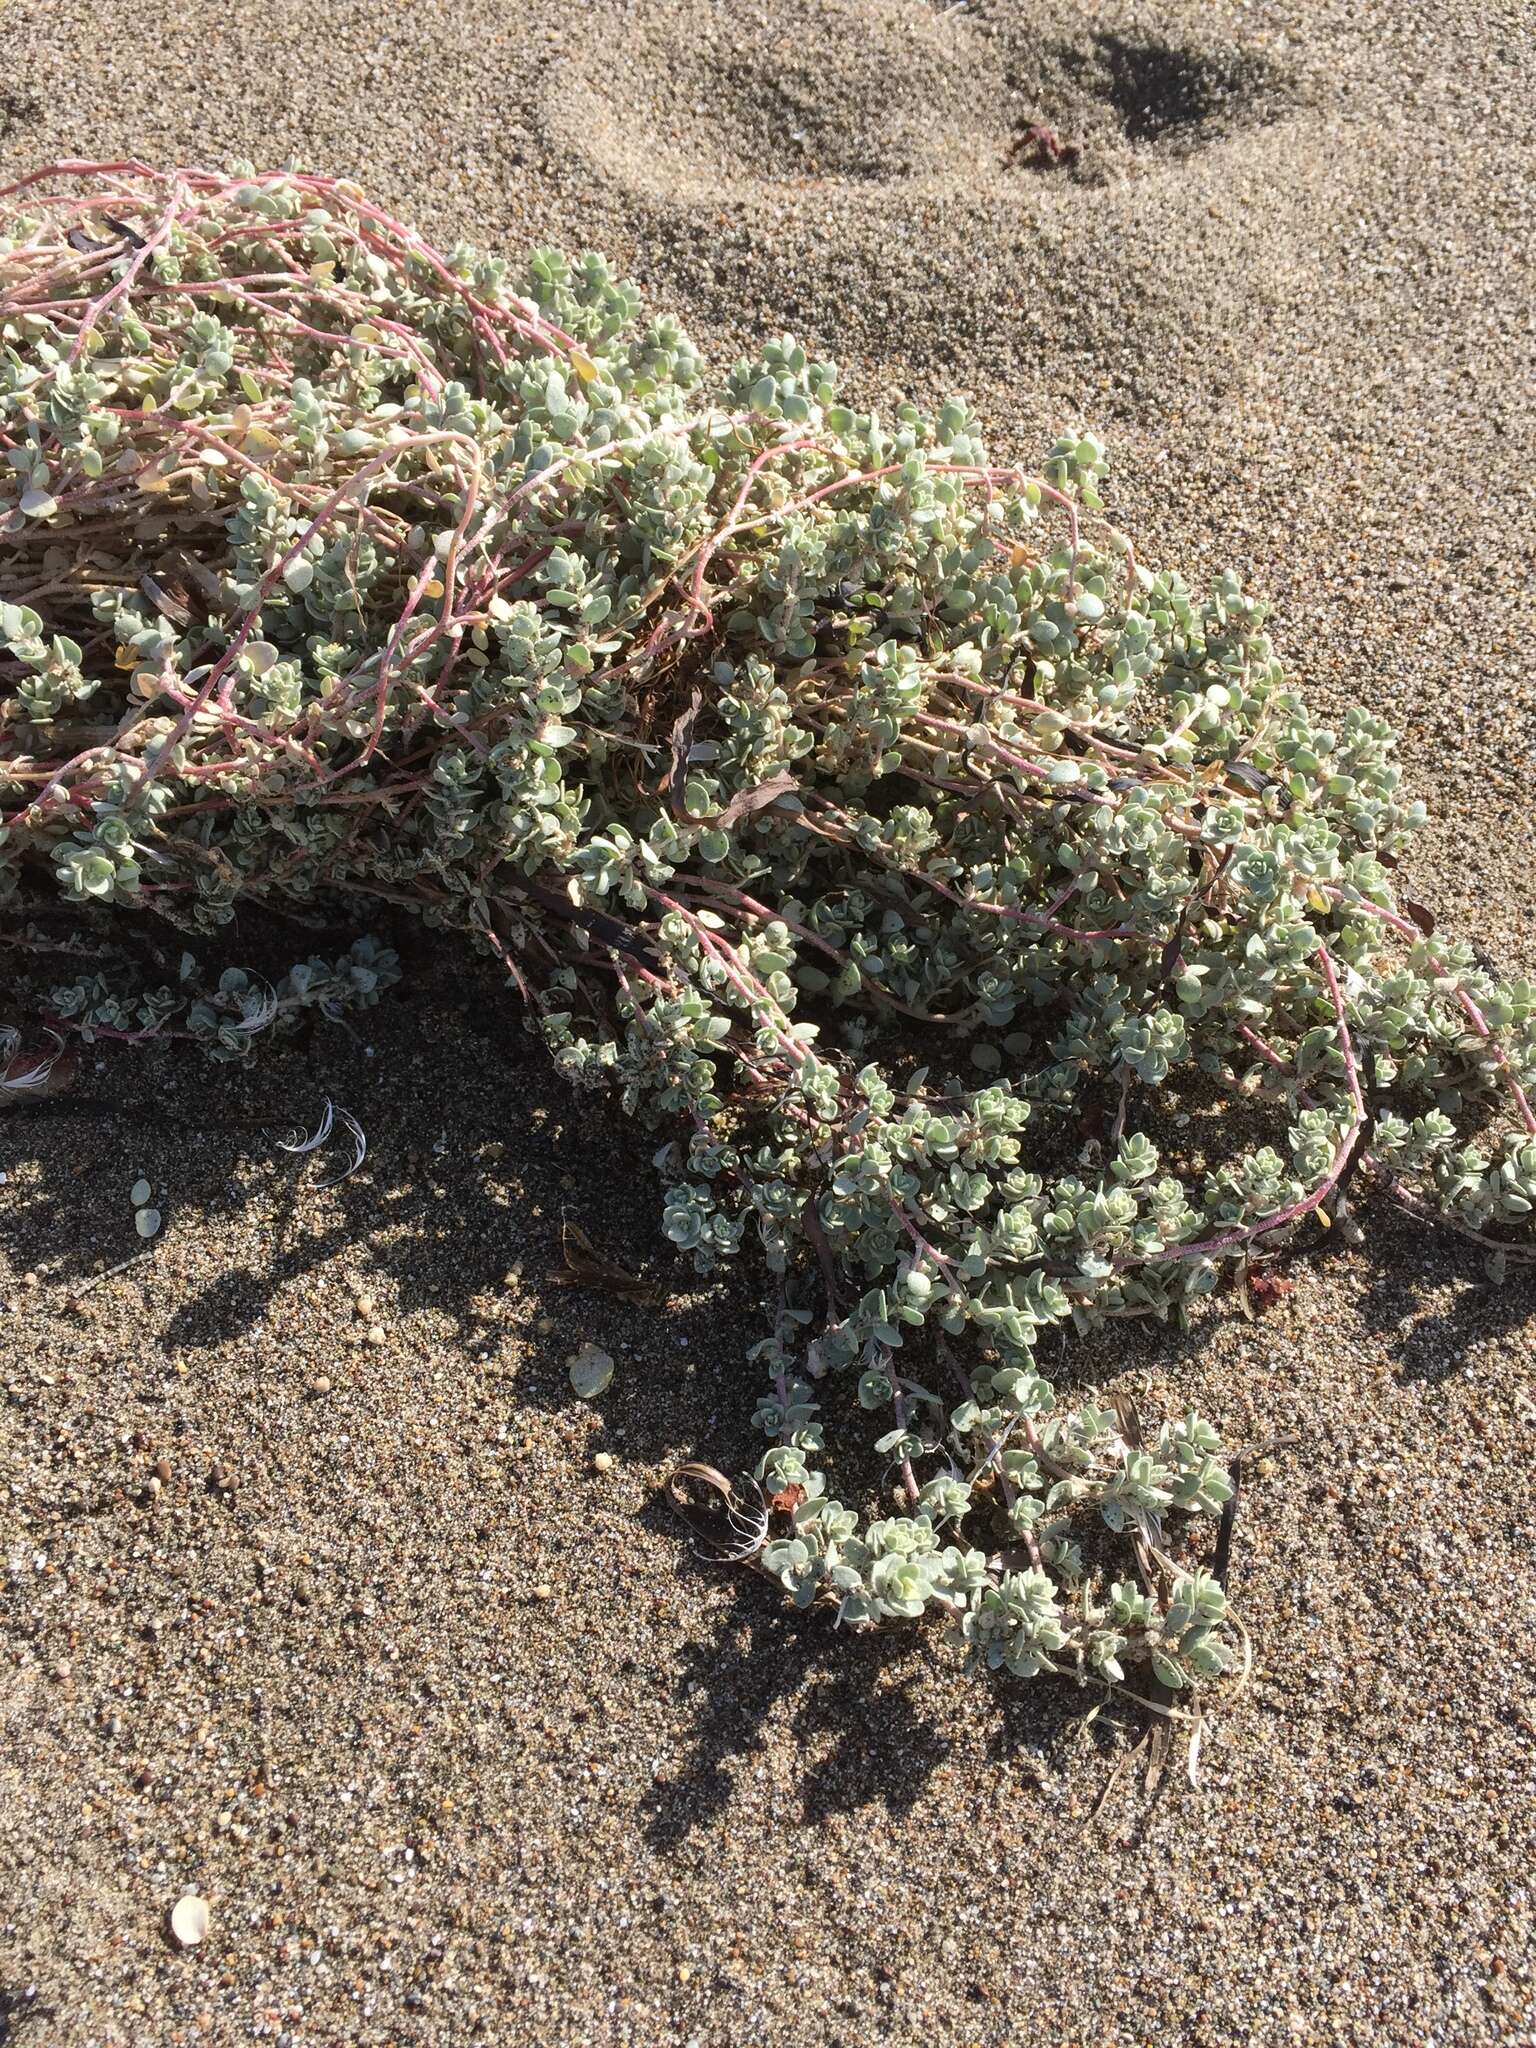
[591, 1370]
[139, 1193]
[189, 1921]
[146, 1222]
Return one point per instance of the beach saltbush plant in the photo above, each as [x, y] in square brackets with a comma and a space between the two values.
[994, 942]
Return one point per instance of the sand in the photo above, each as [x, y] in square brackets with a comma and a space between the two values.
[354, 1639]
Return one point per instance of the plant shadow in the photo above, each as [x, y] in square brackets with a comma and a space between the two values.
[478, 1154]
[441, 1079]
[1404, 1297]
[17, 110]
[20, 2011]
[872, 1716]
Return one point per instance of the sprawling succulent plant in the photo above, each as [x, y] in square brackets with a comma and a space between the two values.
[990, 934]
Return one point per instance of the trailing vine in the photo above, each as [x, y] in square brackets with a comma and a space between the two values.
[990, 935]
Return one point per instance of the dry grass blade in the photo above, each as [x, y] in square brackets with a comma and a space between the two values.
[1221, 1558]
[298, 1141]
[359, 1150]
[735, 1528]
[28, 1076]
[107, 1273]
[259, 1018]
[746, 801]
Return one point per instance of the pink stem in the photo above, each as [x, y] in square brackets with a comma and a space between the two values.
[1469, 1008]
[1308, 1203]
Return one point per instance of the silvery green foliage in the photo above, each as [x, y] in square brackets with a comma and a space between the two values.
[227, 1017]
[990, 934]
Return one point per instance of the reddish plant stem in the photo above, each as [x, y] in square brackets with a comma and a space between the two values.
[1468, 1007]
[764, 915]
[157, 239]
[928, 1250]
[756, 995]
[1229, 1240]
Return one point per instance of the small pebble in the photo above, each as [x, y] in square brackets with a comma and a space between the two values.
[378, 1334]
[163, 1471]
[322, 1385]
[603, 1462]
[189, 1921]
[364, 1305]
[543, 1592]
[146, 1222]
[140, 1193]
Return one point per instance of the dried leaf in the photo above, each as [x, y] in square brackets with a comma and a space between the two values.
[1423, 918]
[732, 1524]
[120, 227]
[610, 931]
[86, 245]
[175, 604]
[682, 746]
[1266, 1287]
[28, 1076]
[586, 1266]
[1129, 1420]
[746, 801]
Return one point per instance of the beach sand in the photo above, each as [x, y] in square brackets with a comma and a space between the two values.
[354, 1638]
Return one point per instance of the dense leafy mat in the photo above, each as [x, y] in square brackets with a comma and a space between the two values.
[990, 934]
